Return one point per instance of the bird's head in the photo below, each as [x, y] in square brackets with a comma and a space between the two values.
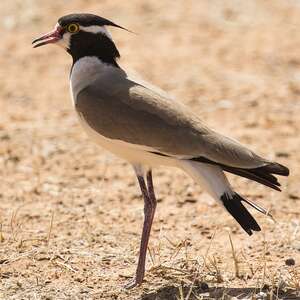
[82, 35]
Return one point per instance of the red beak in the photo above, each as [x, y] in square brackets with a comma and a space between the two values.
[49, 38]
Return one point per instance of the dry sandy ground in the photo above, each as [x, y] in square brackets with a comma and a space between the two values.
[71, 213]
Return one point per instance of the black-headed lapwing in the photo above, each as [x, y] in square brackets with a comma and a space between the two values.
[143, 125]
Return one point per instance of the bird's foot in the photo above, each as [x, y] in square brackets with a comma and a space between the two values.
[133, 283]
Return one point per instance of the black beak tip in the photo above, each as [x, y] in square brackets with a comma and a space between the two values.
[35, 40]
[34, 43]
[38, 45]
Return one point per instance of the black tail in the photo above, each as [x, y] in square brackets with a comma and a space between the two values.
[263, 175]
[233, 204]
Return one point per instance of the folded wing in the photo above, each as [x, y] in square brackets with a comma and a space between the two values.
[122, 109]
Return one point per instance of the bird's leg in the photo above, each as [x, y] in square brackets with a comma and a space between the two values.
[149, 211]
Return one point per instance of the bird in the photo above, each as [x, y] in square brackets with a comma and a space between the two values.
[142, 124]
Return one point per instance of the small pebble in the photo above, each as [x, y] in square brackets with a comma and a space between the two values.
[282, 154]
[290, 262]
[294, 197]
[202, 285]
[190, 200]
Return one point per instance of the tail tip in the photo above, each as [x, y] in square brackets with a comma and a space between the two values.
[233, 205]
[279, 169]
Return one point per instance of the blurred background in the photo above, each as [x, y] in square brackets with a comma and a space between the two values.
[71, 213]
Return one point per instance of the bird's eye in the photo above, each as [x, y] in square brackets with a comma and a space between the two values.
[73, 28]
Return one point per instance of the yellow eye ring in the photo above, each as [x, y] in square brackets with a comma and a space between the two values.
[73, 28]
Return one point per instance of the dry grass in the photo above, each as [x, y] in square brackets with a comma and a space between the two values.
[71, 214]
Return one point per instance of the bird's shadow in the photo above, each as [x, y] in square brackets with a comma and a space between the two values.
[171, 292]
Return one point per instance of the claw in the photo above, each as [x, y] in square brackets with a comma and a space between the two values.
[133, 283]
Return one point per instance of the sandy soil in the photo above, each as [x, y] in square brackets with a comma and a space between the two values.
[71, 213]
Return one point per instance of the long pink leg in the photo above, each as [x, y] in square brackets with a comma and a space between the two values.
[149, 211]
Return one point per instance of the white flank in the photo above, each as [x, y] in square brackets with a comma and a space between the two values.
[135, 154]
